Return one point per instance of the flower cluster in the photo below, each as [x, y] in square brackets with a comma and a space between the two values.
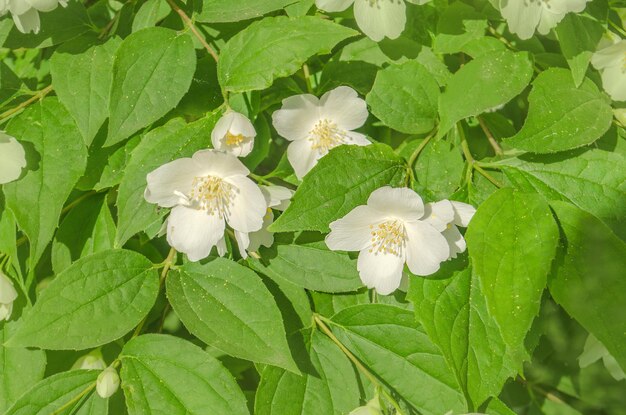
[25, 13]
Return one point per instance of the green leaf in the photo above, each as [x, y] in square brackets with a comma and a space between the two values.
[439, 168]
[451, 307]
[56, 157]
[588, 281]
[228, 307]
[512, 241]
[562, 116]
[10, 83]
[167, 375]
[161, 145]
[94, 405]
[391, 344]
[218, 11]
[56, 394]
[405, 97]
[579, 36]
[330, 388]
[20, 369]
[95, 301]
[145, 84]
[313, 267]
[85, 230]
[342, 180]
[150, 13]
[81, 75]
[594, 180]
[275, 47]
[483, 84]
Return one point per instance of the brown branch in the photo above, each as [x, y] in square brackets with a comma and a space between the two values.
[193, 28]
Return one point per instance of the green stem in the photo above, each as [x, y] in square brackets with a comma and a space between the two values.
[75, 399]
[260, 179]
[416, 153]
[36, 97]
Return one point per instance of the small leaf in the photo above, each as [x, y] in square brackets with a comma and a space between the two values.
[219, 11]
[579, 36]
[439, 168]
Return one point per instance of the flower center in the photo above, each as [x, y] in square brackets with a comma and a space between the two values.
[388, 237]
[325, 135]
[234, 140]
[213, 194]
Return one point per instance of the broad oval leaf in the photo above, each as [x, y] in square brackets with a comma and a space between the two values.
[152, 71]
[512, 241]
[273, 48]
[405, 97]
[94, 301]
[167, 375]
[219, 11]
[342, 180]
[562, 116]
[228, 307]
[579, 36]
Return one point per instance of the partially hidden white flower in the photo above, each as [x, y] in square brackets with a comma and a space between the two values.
[90, 361]
[524, 16]
[25, 13]
[315, 126]
[277, 197]
[447, 216]
[376, 18]
[611, 62]
[7, 296]
[234, 134]
[207, 191]
[371, 408]
[12, 158]
[107, 383]
[594, 350]
[388, 232]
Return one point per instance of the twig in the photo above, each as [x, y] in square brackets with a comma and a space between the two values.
[193, 28]
[494, 144]
[39, 95]
[472, 162]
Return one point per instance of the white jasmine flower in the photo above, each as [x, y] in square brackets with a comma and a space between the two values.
[90, 361]
[107, 383]
[277, 197]
[371, 408]
[611, 62]
[594, 350]
[446, 216]
[7, 297]
[12, 158]
[388, 232]
[524, 16]
[207, 191]
[376, 18]
[317, 125]
[25, 13]
[234, 134]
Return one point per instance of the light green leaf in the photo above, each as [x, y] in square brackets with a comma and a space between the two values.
[150, 13]
[594, 180]
[512, 241]
[55, 394]
[96, 300]
[219, 11]
[228, 307]
[588, 281]
[312, 266]
[562, 116]
[439, 168]
[392, 345]
[456, 42]
[152, 71]
[10, 83]
[483, 84]
[579, 36]
[273, 48]
[81, 75]
[167, 375]
[20, 369]
[342, 180]
[56, 157]
[94, 405]
[451, 306]
[405, 98]
[330, 388]
[161, 145]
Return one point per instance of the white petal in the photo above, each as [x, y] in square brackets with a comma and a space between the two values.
[333, 5]
[262, 237]
[7, 291]
[463, 213]
[593, 351]
[28, 22]
[343, 106]
[236, 124]
[357, 139]
[456, 242]
[381, 18]
[248, 206]
[564, 6]
[18, 6]
[170, 178]
[609, 56]
[549, 20]
[194, 232]
[243, 241]
[277, 197]
[610, 363]
[12, 158]
[614, 83]
[402, 202]
[43, 5]
[219, 164]
[426, 248]
[5, 311]
[380, 271]
[439, 214]
[107, 383]
[297, 117]
[522, 16]
[221, 247]
[353, 232]
[302, 157]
